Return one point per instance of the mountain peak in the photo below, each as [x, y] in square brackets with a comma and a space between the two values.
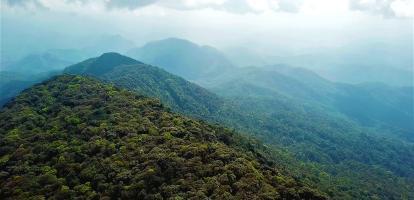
[116, 57]
[182, 57]
[110, 54]
[102, 64]
[174, 39]
[175, 91]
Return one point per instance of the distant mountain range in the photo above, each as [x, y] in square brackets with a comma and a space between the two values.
[313, 126]
[37, 63]
[183, 58]
[353, 64]
[12, 83]
[60, 56]
[392, 109]
[371, 105]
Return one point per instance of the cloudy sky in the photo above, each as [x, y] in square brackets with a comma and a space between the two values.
[280, 26]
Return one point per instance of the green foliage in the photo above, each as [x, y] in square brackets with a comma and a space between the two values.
[351, 159]
[322, 141]
[173, 91]
[96, 141]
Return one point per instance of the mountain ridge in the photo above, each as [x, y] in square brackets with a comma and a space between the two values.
[174, 91]
[323, 144]
[83, 138]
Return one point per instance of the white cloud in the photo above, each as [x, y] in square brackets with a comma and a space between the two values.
[324, 7]
[263, 5]
[200, 3]
[395, 8]
[388, 8]
[308, 25]
[130, 4]
[403, 8]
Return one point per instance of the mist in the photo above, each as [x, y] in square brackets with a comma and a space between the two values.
[327, 36]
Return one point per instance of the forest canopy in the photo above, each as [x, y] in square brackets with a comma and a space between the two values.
[74, 137]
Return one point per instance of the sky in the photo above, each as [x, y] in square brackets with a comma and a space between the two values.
[279, 27]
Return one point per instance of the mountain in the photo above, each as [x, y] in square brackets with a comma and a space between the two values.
[179, 94]
[374, 105]
[176, 56]
[52, 52]
[74, 137]
[37, 63]
[14, 71]
[371, 105]
[353, 63]
[323, 140]
[19, 75]
[373, 65]
[183, 58]
[101, 65]
[12, 83]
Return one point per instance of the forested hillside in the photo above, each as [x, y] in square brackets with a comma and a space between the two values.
[206, 99]
[386, 109]
[325, 141]
[74, 137]
[174, 91]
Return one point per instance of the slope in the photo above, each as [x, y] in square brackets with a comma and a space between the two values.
[73, 137]
[381, 112]
[174, 91]
[378, 106]
[354, 64]
[326, 142]
[12, 83]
